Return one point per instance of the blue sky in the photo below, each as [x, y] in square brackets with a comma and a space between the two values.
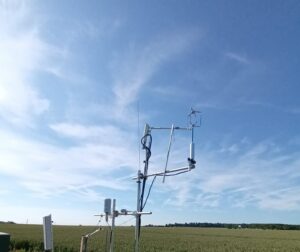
[72, 74]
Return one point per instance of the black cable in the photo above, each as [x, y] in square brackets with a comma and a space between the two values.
[147, 148]
[148, 155]
[149, 190]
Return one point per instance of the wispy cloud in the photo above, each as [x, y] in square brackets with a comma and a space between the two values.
[170, 92]
[290, 110]
[51, 168]
[33, 214]
[104, 134]
[46, 169]
[237, 57]
[251, 177]
[133, 70]
[23, 53]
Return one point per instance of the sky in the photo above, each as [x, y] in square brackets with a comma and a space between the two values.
[79, 79]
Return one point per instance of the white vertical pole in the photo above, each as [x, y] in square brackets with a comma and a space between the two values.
[113, 226]
[83, 244]
[48, 235]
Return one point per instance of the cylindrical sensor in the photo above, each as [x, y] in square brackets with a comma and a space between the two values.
[146, 129]
[192, 151]
[107, 206]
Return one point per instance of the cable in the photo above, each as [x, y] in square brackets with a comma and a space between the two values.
[99, 221]
[127, 221]
[148, 155]
[154, 178]
[149, 190]
[147, 148]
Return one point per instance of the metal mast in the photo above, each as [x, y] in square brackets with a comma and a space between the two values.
[141, 178]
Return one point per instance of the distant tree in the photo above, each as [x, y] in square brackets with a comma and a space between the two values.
[234, 225]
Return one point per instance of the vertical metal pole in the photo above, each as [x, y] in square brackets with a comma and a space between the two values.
[83, 244]
[138, 209]
[113, 226]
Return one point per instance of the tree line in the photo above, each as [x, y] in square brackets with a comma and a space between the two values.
[7, 222]
[276, 226]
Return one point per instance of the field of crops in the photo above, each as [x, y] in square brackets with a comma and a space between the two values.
[67, 238]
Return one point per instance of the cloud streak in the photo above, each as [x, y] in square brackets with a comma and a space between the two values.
[92, 133]
[135, 69]
[23, 54]
[237, 57]
[47, 169]
[251, 177]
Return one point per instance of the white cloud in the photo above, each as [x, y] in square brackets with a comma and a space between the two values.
[271, 106]
[135, 69]
[282, 199]
[47, 169]
[104, 134]
[170, 92]
[23, 53]
[237, 57]
[60, 215]
[253, 176]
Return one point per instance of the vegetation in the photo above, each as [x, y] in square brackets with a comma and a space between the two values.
[184, 239]
[7, 222]
[242, 225]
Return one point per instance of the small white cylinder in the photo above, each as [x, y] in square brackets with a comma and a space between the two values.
[192, 151]
[146, 129]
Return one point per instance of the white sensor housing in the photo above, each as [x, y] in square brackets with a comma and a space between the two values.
[107, 206]
[192, 151]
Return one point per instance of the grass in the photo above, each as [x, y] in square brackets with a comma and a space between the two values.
[67, 239]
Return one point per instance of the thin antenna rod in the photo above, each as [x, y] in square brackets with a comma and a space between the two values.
[138, 207]
[138, 216]
[138, 134]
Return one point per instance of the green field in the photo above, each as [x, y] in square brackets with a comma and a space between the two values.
[67, 238]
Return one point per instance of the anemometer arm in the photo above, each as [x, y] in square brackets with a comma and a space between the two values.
[166, 172]
[172, 172]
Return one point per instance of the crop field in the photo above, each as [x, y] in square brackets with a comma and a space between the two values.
[67, 239]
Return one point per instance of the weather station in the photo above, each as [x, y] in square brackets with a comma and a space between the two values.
[194, 121]
[110, 212]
